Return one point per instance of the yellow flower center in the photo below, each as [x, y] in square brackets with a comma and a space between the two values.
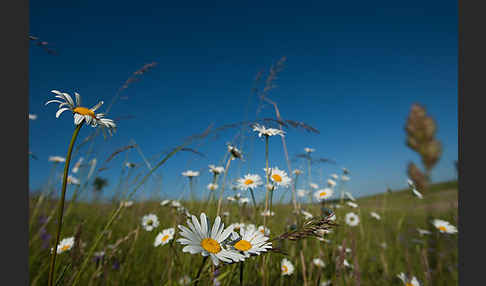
[243, 245]
[285, 269]
[262, 231]
[322, 194]
[84, 111]
[211, 245]
[165, 237]
[408, 284]
[248, 182]
[277, 178]
[442, 228]
[65, 247]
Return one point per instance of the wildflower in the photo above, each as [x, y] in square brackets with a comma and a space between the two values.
[309, 150]
[267, 213]
[231, 199]
[345, 178]
[201, 239]
[331, 183]
[444, 226]
[375, 215]
[149, 222]
[185, 280]
[318, 262]
[165, 202]
[235, 153]
[57, 159]
[297, 172]
[175, 204]
[383, 245]
[347, 250]
[351, 204]
[307, 215]
[237, 226]
[408, 281]
[262, 130]
[81, 113]
[77, 165]
[417, 193]
[314, 186]
[190, 173]
[301, 193]
[72, 180]
[346, 264]
[334, 176]
[32, 116]
[323, 194]
[252, 242]
[263, 230]
[65, 245]
[127, 203]
[325, 283]
[287, 267]
[423, 231]
[244, 201]
[279, 177]
[212, 186]
[347, 194]
[249, 181]
[216, 170]
[164, 237]
[352, 219]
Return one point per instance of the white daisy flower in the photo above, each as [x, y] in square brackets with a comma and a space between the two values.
[309, 150]
[279, 177]
[207, 240]
[423, 232]
[216, 169]
[345, 178]
[252, 242]
[262, 130]
[323, 194]
[149, 222]
[325, 283]
[323, 232]
[417, 193]
[297, 172]
[65, 245]
[249, 181]
[175, 204]
[237, 226]
[190, 173]
[347, 194]
[185, 280]
[346, 264]
[314, 186]
[287, 267]
[334, 176]
[333, 217]
[249, 226]
[127, 203]
[301, 193]
[318, 262]
[81, 113]
[244, 201]
[352, 219]
[331, 183]
[72, 180]
[77, 165]
[383, 245]
[57, 159]
[164, 237]
[32, 116]
[408, 281]
[347, 250]
[212, 186]
[307, 215]
[375, 215]
[226, 213]
[337, 206]
[165, 202]
[444, 226]
[235, 153]
[263, 230]
[351, 204]
[267, 213]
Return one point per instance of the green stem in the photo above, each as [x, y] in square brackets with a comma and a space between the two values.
[61, 204]
[254, 201]
[241, 272]
[200, 270]
[222, 184]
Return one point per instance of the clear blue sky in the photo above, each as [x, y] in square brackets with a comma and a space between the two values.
[353, 70]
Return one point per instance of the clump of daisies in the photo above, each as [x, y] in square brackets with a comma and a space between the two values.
[150, 222]
[209, 240]
[164, 237]
[444, 226]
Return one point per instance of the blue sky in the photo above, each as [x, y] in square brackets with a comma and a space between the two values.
[353, 70]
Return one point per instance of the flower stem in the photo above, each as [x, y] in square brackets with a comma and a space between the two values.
[241, 272]
[254, 202]
[200, 270]
[222, 184]
[61, 203]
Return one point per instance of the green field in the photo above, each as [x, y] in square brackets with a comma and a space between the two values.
[131, 258]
